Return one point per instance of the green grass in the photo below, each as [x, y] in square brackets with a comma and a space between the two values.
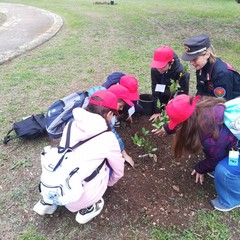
[95, 41]
[212, 226]
[30, 233]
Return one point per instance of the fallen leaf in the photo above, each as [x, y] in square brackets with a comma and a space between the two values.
[176, 188]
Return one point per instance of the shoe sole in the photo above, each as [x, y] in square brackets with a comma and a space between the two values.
[97, 212]
[223, 209]
[35, 209]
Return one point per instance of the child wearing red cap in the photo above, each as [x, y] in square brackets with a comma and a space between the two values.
[60, 120]
[123, 95]
[131, 83]
[128, 81]
[120, 80]
[214, 77]
[164, 67]
[198, 123]
[124, 99]
[88, 123]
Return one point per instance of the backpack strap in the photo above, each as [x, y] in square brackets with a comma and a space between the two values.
[68, 148]
[82, 142]
[95, 172]
[67, 144]
[65, 149]
[7, 138]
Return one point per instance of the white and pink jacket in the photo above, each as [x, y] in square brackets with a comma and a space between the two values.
[92, 154]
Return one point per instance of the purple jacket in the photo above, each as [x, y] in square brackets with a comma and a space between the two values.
[214, 151]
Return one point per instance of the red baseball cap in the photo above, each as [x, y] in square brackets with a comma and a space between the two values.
[180, 109]
[131, 83]
[162, 56]
[107, 99]
[121, 92]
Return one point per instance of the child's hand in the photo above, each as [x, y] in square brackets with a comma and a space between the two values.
[154, 117]
[129, 119]
[127, 158]
[160, 132]
[199, 177]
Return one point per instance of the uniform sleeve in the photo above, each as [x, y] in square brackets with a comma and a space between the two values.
[116, 162]
[223, 85]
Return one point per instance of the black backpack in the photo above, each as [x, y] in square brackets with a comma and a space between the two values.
[29, 128]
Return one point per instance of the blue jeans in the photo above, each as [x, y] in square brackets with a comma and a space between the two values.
[227, 183]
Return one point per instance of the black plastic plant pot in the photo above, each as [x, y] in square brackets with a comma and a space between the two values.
[146, 101]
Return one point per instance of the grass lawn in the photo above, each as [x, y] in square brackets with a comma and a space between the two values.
[98, 39]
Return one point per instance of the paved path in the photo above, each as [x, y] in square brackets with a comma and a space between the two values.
[25, 28]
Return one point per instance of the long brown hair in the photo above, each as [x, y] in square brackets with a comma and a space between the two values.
[100, 110]
[187, 139]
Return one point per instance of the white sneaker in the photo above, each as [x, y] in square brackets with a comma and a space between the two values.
[43, 208]
[86, 214]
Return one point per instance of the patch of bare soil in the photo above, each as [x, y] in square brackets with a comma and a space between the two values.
[161, 191]
[156, 192]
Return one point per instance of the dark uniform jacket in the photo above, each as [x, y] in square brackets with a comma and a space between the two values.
[219, 80]
[165, 79]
